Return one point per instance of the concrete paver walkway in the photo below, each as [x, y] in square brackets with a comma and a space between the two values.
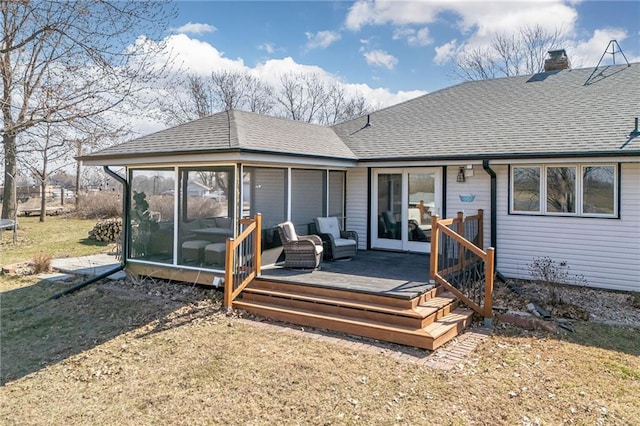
[88, 265]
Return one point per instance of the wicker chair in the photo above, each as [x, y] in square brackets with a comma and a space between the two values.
[300, 251]
[340, 244]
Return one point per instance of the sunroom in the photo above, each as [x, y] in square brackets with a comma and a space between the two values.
[181, 216]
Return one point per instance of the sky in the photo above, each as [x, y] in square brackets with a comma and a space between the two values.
[388, 51]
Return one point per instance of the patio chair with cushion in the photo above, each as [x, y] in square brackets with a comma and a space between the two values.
[300, 251]
[340, 244]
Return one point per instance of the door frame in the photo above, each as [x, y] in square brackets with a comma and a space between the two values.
[402, 244]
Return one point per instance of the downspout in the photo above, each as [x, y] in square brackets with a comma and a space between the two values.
[120, 267]
[494, 213]
[125, 212]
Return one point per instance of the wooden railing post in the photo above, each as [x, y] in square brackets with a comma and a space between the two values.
[488, 286]
[460, 231]
[257, 244]
[228, 274]
[433, 256]
[481, 228]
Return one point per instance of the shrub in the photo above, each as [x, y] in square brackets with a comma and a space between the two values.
[547, 270]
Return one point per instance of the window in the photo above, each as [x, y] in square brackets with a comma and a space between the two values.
[151, 224]
[265, 192]
[599, 190]
[308, 197]
[206, 211]
[561, 189]
[568, 190]
[336, 194]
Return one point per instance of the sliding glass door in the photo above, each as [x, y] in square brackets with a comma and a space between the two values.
[403, 202]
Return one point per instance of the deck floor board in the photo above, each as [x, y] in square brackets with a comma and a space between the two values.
[401, 275]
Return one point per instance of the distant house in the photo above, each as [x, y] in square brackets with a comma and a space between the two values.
[196, 189]
[553, 159]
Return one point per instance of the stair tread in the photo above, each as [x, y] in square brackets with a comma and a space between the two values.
[421, 311]
[444, 324]
[355, 296]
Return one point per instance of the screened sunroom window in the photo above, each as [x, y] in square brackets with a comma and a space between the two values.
[265, 192]
[336, 194]
[308, 197]
[568, 190]
[206, 211]
[151, 215]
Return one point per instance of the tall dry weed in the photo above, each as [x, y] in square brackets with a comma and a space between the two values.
[41, 263]
[99, 205]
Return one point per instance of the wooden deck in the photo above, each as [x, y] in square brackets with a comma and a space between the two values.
[399, 275]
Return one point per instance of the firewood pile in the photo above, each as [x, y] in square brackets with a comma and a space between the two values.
[106, 230]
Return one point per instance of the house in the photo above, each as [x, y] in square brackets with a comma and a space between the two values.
[553, 160]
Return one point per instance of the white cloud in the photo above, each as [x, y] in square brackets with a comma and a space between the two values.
[478, 22]
[267, 47]
[587, 53]
[322, 39]
[380, 58]
[480, 19]
[194, 28]
[199, 57]
[365, 12]
[414, 37]
[445, 52]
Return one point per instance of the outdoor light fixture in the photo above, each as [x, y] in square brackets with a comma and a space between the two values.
[460, 177]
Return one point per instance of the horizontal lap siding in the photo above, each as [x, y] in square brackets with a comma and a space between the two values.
[357, 204]
[478, 185]
[605, 251]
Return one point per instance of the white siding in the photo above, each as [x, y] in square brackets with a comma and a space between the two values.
[479, 185]
[357, 202]
[605, 251]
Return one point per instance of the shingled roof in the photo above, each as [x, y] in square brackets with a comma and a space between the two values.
[235, 131]
[551, 113]
[558, 113]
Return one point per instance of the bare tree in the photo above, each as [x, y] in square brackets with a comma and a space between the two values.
[89, 134]
[228, 88]
[508, 55]
[48, 153]
[258, 95]
[222, 91]
[83, 58]
[302, 96]
[341, 107]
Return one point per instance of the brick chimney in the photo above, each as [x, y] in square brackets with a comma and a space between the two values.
[557, 61]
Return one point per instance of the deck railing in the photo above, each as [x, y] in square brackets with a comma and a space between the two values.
[242, 259]
[459, 263]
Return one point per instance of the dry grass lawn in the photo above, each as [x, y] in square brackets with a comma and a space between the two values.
[137, 352]
[128, 354]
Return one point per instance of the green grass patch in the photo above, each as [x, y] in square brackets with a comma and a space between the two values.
[57, 237]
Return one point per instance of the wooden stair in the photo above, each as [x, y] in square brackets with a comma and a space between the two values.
[426, 321]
